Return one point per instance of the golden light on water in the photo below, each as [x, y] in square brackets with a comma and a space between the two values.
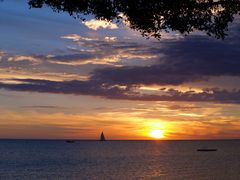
[157, 134]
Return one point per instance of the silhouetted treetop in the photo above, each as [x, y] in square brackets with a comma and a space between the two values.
[152, 17]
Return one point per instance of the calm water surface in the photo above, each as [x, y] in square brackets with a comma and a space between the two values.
[25, 159]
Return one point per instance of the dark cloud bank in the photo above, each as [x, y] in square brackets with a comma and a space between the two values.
[113, 92]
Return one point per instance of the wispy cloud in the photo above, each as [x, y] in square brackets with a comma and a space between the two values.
[76, 37]
[32, 59]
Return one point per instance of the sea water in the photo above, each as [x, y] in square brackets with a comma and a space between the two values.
[48, 159]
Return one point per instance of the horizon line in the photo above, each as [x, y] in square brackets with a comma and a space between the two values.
[64, 139]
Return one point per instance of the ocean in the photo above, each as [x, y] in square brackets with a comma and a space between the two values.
[56, 159]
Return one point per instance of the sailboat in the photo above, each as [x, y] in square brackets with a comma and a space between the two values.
[70, 141]
[102, 137]
[206, 149]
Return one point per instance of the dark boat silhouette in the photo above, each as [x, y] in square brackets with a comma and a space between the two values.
[102, 137]
[205, 150]
[70, 141]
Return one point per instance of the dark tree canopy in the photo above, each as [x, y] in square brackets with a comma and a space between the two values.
[152, 17]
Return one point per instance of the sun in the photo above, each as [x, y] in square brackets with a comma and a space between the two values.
[157, 134]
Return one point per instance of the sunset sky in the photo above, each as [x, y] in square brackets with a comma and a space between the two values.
[61, 77]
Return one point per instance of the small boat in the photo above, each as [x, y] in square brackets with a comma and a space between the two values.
[205, 150]
[70, 141]
[102, 137]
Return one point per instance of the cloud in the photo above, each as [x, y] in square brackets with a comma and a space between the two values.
[41, 107]
[173, 63]
[7, 74]
[64, 87]
[182, 62]
[184, 107]
[99, 24]
[32, 59]
[72, 58]
[108, 38]
[107, 51]
[155, 74]
[83, 58]
[76, 37]
[95, 88]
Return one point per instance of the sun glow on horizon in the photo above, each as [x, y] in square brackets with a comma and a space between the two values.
[157, 134]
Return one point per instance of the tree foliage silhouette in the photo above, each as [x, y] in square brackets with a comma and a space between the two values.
[152, 17]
